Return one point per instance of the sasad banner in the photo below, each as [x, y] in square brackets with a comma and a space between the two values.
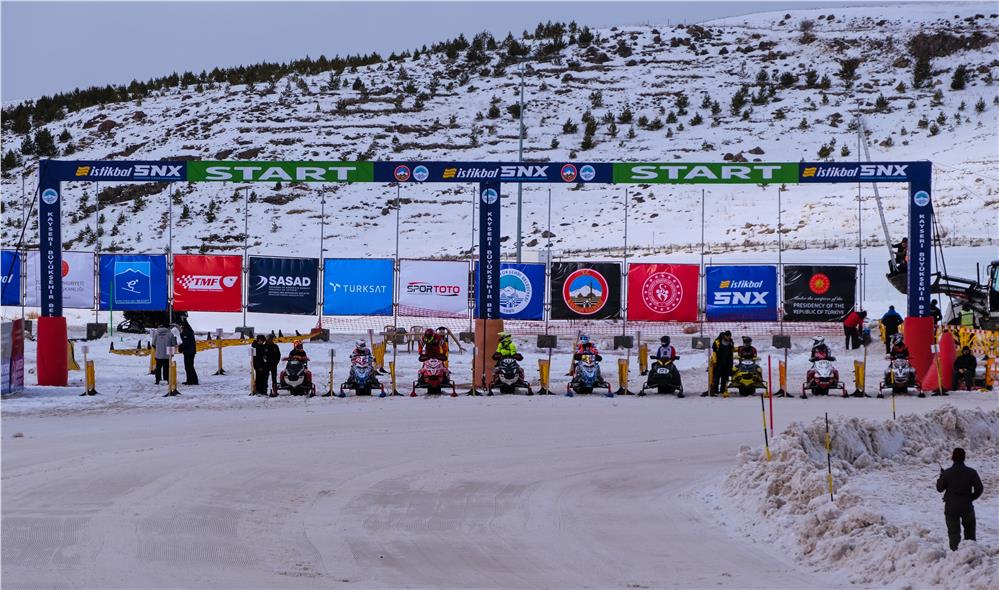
[283, 285]
[10, 278]
[207, 283]
[77, 280]
[354, 286]
[663, 292]
[745, 293]
[522, 291]
[433, 288]
[133, 282]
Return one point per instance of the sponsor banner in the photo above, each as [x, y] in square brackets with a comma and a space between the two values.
[488, 273]
[521, 291]
[10, 278]
[133, 171]
[133, 282]
[283, 285]
[818, 293]
[741, 293]
[12, 356]
[207, 283]
[492, 171]
[855, 171]
[50, 238]
[707, 173]
[354, 286]
[199, 171]
[433, 288]
[77, 274]
[585, 290]
[663, 292]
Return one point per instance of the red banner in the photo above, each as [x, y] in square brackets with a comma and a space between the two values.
[207, 283]
[663, 292]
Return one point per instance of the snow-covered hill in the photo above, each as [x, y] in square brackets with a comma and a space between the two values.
[668, 78]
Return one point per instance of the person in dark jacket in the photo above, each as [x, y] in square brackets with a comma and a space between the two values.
[961, 486]
[964, 370]
[891, 320]
[188, 347]
[723, 350]
[273, 352]
[935, 312]
[259, 365]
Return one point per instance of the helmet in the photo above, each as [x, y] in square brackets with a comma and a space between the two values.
[428, 333]
[297, 343]
[664, 340]
[441, 329]
[747, 340]
[584, 339]
[897, 339]
[360, 344]
[504, 336]
[818, 340]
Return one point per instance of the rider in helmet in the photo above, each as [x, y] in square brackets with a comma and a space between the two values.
[361, 350]
[585, 346]
[430, 346]
[820, 350]
[442, 334]
[298, 352]
[505, 347]
[666, 351]
[898, 348]
[747, 351]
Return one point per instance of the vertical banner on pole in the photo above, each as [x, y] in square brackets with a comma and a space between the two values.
[488, 294]
[920, 226]
[49, 242]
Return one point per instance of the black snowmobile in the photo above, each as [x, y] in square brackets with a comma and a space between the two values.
[663, 378]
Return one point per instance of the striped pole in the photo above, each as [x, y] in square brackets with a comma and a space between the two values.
[766, 439]
[829, 459]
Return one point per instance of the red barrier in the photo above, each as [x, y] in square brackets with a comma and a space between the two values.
[52, 355]
[919, 339]
[947, 353]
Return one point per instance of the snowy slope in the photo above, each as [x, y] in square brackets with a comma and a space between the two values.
[707, 64]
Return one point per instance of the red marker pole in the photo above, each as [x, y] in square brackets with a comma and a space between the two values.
[770, 392]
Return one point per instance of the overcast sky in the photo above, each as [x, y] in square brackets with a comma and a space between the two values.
[58, 46]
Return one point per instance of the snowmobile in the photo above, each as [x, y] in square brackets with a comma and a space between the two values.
[663, 377]
[899, 378]
[297, 378]
[362, 378]
[748, 377]
[587, 377]
[508, 376]
[821, 378]
[434, 377]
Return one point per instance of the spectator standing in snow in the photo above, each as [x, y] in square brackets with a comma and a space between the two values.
[259, 347]
[723, 351]
[853, 325]
[273, 352]
[891, 320]
[188, 347]
[961, 486]
[964, 370]
[163, 340]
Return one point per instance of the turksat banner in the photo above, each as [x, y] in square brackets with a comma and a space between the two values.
[741, 293]
[283, 285]
[133, 282]
[355, 286]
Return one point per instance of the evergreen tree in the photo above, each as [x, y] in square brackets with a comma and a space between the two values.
[12, 160]
[960, 78]
[45, 144]
[65, 136]
[921, 72]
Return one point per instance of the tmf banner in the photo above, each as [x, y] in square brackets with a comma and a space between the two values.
[818, 293]
[133, 282]
[283, 285]
[207, 283]
[663, 292]
[741, 293]
[357, 286]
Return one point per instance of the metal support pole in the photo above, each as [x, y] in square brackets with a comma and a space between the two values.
[322, 254]
[624, 323]
[471, 259]
[520, 158]
[170, 241]
[97, 249]
[395, 303]
[246, 240]
[704, 305]
[780, 251]
[548, 268]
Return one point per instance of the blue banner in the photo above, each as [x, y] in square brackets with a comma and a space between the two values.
[487, 279]
[521, 291]
[917, 262]
[565, 172]
[283, 285]
[49, 239]
[857, 171]
[133, 282]
[353, 286]
[10, 278]
[741, 293]
[165, 171]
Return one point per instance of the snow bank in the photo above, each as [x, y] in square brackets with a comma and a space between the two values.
[886, 525]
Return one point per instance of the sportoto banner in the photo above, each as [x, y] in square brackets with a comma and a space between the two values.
[207, 283]
[663, 292]
[741, 293]
[10, 278]
[355, 286]
[283, 285]
[818, 293]
[521, 291]
[433, 288]
[133, 282]
[77, 280]
[586, 290]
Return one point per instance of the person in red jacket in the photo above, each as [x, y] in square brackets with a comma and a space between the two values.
[853, 324]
